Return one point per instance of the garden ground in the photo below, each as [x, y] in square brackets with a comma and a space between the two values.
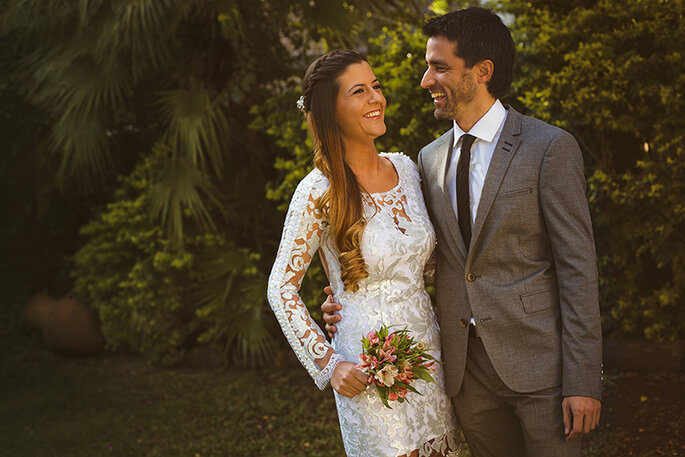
[117, 405]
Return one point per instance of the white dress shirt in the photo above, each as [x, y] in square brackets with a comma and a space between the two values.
[487, 132]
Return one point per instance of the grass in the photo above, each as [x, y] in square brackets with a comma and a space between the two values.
[117, 405]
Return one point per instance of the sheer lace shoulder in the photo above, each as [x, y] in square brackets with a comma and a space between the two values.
[404, 164]
[302, 233]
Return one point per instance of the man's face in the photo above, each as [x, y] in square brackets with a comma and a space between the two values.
[451, 84]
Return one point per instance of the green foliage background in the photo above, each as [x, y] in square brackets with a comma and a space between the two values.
[612, 74]
[152, 148]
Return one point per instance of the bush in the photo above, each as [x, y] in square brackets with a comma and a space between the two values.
[158, 298]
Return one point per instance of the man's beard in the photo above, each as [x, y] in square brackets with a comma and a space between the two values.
[465, 94]
[449, 112]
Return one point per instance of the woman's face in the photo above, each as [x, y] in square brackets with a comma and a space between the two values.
[360, 104]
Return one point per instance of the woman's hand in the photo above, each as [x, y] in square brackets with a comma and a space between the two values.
[429, 271]
[348, 380]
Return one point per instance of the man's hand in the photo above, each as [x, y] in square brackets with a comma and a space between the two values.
[329, 307]
[348, 380]
[581, 414]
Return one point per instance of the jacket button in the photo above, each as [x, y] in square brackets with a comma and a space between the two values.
[470, 277]
[463, 323]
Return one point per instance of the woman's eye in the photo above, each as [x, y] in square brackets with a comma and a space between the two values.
[377, 87]
[358, 91]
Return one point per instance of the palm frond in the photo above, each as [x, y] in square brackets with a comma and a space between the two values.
[33, 15]
[249, 326]
[80, 93]
[141, 33]
[195, 126]
[230, 295]
[83, 146]
[181, 189]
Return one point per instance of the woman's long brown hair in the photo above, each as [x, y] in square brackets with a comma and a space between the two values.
[341, 203]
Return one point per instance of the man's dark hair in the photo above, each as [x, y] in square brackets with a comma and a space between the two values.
[479, 34]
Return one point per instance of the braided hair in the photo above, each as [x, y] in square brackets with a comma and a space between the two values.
[341, 204]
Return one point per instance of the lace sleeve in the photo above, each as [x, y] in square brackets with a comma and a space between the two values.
[302, 232]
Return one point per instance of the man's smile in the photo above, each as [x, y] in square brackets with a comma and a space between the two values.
[438, 96]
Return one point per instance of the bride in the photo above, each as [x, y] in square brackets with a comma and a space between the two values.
[365, 215]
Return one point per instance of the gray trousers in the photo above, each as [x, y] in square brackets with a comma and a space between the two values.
[498, 422]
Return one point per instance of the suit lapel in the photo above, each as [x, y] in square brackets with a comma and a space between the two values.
[501, 158]
[443, 157]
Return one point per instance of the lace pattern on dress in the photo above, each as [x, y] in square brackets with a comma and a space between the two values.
[446, 445]
[397, 241]
[303, 229]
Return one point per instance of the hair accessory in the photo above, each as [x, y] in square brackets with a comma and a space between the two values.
[300, 103]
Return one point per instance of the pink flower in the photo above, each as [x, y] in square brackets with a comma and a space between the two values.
[388, 342]
[386, 356]
[392, 396]
[403, 392]
[406, 377]
[373, 338]
[366, 363]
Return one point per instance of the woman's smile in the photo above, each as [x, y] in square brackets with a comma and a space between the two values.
[375, 114]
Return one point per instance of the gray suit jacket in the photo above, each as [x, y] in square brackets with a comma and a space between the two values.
[530, 276]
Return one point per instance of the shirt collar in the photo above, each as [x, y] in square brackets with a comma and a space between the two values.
[487, 126]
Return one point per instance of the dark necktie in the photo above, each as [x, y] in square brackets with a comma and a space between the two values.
[463, 192]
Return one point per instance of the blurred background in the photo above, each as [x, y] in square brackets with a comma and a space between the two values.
[149, 152]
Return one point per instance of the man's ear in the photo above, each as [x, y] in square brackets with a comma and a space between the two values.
[484, 70]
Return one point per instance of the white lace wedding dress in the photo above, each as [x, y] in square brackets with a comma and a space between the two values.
[397, 241]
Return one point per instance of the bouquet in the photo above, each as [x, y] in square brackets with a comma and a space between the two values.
[394, 361]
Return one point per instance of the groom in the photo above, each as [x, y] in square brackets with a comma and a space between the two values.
[516, 279]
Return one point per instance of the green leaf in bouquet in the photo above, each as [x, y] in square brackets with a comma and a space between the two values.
[408, 387]
[380, 332]
[426, 355]
[422, 373]
[383, 393]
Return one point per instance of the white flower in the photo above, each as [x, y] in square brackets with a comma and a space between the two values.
[387, 375]
[300, 103]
